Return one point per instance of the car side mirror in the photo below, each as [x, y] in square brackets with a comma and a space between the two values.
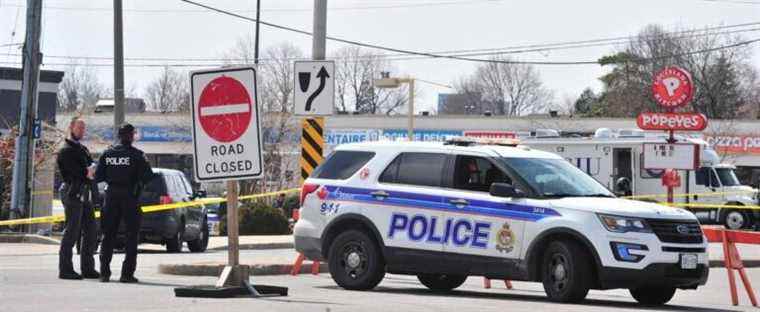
[199, 194]
[504, 190]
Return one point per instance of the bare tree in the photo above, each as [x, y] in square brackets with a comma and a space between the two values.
[510, 89]
[169, 92]
[79, 89]
[275, 87]
[355, 70]
[718, 74]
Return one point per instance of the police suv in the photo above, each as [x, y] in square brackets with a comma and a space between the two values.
[446, 211]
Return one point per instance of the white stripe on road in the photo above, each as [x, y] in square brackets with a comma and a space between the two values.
[224, 109]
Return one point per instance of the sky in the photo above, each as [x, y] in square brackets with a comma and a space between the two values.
[174, 29]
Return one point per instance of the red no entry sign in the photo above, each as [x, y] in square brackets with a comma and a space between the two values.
[672, 87]
[224, 109]
[227, 141]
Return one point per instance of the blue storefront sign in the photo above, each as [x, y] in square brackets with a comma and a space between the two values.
[421, 135]
[343, 136]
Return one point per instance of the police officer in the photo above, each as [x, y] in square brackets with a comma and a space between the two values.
[76, 167]
[125, 169]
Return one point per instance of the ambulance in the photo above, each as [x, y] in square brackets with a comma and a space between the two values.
[616, 160]
[445, 211]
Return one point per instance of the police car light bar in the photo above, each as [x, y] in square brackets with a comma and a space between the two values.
[469, 141]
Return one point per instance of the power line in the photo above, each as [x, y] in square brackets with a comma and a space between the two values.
[352, 8]
[431, 55]
[475, 52]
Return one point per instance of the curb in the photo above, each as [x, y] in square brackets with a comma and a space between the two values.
[28, 239]
[215, 269]
[261, 246]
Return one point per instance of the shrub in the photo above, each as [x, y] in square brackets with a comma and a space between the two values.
[258, 218]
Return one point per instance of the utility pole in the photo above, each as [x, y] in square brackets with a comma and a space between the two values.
[118, 70]
[256, 43]
[320, 30]
[23, 168]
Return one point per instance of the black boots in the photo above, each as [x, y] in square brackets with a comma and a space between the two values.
[69, 275]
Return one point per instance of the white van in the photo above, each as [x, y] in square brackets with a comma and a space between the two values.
[608, 158]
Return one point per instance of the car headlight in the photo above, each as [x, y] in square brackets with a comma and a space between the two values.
[621, 224]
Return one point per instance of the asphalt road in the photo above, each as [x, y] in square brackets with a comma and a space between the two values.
[28, 283]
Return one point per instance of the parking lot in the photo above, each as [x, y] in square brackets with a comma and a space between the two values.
[28, 282]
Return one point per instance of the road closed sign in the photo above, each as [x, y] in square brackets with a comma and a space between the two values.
[226, 125]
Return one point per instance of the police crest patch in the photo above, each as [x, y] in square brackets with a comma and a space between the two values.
[505, 239]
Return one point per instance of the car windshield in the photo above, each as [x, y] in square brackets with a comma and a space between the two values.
[556, 178]
[727, 177]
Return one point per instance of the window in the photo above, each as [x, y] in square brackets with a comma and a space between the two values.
[555, 178]
[425, 169]
[727, 177]
[701, 176]
[342, 165]
[477, 174]
[714, 182]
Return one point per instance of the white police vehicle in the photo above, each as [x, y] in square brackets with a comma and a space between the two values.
[446, 211]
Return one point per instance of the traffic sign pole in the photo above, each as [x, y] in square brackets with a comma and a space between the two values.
[227, 147]
[312, 130]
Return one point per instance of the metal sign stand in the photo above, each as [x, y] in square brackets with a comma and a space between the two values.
[235, 278]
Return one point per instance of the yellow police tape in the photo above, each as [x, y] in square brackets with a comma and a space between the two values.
[149, 208]
[711, 194]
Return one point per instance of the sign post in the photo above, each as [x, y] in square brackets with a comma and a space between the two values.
[672, 88]
[227, 147]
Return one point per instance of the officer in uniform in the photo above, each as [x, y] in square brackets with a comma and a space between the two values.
[77, 195]
[125, 170]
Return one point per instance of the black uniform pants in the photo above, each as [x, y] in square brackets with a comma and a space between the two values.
[80, 222]
[120, 204]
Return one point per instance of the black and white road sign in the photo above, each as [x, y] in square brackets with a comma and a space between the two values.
[314, 88]
[226, 124]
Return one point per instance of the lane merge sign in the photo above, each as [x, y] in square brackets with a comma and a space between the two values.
[314, 88]
[226, 125]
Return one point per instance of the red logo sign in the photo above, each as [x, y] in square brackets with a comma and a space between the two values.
[672, 87]
[224, 109]
[672, 121]
[671, 178]
[491, 134]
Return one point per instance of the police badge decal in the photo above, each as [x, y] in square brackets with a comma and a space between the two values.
[505, 239]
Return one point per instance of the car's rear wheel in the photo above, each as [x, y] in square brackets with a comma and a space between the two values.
[566, 272]
[441, 282]
[653, 296]
[200, 244]
[174, 243]
[355, 261]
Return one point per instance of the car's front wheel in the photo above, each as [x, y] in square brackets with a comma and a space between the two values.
[355, 261]
[567, 272]
[653, 296]
[441, 282]
[201, 243]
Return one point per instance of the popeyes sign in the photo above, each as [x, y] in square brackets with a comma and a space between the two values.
[672, 121]
[735, 144]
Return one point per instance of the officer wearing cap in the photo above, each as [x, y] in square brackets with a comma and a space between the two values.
[78, 195]
[125, 169]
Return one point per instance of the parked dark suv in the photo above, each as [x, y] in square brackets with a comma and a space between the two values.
[172, 227]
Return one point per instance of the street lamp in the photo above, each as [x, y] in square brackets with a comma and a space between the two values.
[386, 82]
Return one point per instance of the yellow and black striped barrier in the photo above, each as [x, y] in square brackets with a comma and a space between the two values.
[149, 208]
[312, 145]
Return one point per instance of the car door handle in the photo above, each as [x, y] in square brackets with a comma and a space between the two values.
[380, 194]
[459, 202]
